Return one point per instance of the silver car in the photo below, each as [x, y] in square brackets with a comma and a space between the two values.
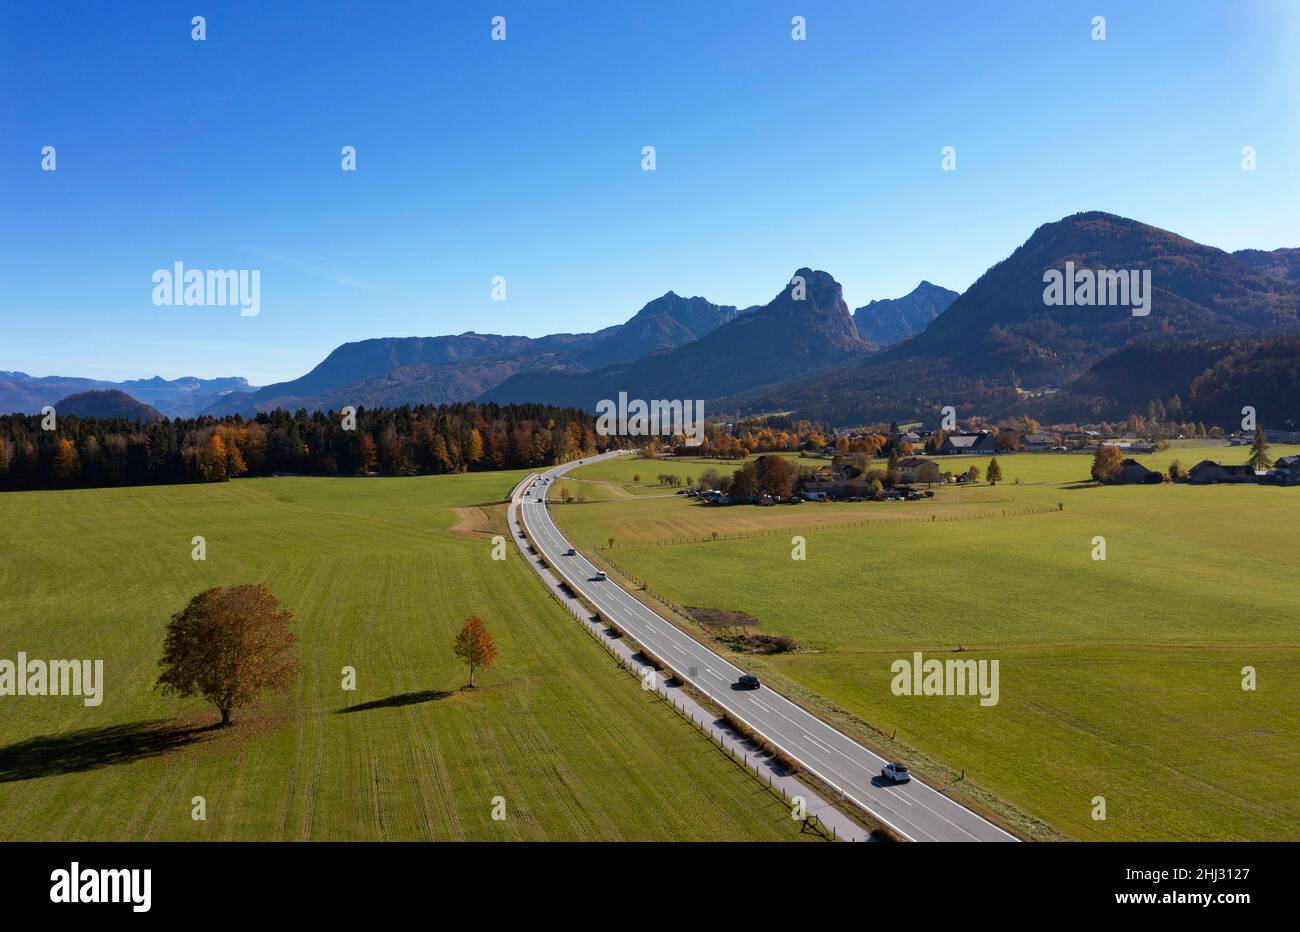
[895, 773]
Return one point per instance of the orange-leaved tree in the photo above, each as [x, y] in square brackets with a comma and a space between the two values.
[1107, 462]
[475, 646]
[228, 645]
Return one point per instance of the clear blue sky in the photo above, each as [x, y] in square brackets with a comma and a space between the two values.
[522, 158]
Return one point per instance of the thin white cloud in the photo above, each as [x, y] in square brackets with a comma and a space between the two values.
[308, 268]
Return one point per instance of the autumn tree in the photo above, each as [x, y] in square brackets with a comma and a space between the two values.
[928, 473]
[474, 447]
[228, 645]
[994, 472]
[1259, 459]
[1107, 462]
[475, 646]
[213, 462]
[744, 482]
[67, 464]
[369, 452]
[777, 476]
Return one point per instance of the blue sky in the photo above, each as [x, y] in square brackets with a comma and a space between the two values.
[523, 158]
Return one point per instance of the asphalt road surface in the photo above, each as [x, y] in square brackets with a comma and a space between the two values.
[915, 810]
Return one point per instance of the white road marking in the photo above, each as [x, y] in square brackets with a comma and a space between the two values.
[816, 742]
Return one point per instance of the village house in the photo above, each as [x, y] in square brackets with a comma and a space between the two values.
[1286, 471]
[1037, 442]
[909, 469]
[1130, 446]
[1207, 471]
[979, 442]
[1273, 435]
[838, 480]
[1131, 472]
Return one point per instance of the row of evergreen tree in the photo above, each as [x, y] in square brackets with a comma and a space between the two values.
[80, 452]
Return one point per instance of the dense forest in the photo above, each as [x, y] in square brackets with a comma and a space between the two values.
[80, 452]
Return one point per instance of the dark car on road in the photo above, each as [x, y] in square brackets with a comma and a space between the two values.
[747, 682]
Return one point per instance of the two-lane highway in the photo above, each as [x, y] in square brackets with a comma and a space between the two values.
[915, 810]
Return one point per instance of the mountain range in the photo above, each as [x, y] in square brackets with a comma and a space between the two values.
[184, 397]
[998, 348]
[892, 320]
[437, 370]
[1001, 338]
[804, 328]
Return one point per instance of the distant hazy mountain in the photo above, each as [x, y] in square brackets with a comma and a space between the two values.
[107, 404]
[785, 338]
[665, 323]
[437, 370]
[975, 351]
[366, 359]
[184, 397]
[892, 320]
[1000, 333]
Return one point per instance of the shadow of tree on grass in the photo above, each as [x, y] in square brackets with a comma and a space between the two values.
[92, 748]
[393, 702]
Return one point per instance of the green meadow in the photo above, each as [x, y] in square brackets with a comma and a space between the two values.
[379, 575]
[1119, 678]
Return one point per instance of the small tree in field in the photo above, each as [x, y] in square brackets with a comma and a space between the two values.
[475, 646]
[228, 645]
[994, 472]
[1259, 459]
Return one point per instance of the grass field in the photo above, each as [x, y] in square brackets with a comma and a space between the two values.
[379, 574]
[1119, 678]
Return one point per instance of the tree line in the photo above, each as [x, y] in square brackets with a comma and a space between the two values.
[410, 440]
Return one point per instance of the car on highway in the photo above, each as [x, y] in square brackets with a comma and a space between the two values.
[895, 773]
[748, 681]
[600, 575]
[570, 552]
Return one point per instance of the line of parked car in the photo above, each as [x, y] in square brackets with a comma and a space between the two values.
[715, 497]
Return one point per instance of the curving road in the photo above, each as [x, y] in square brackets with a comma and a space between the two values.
[915, 810]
